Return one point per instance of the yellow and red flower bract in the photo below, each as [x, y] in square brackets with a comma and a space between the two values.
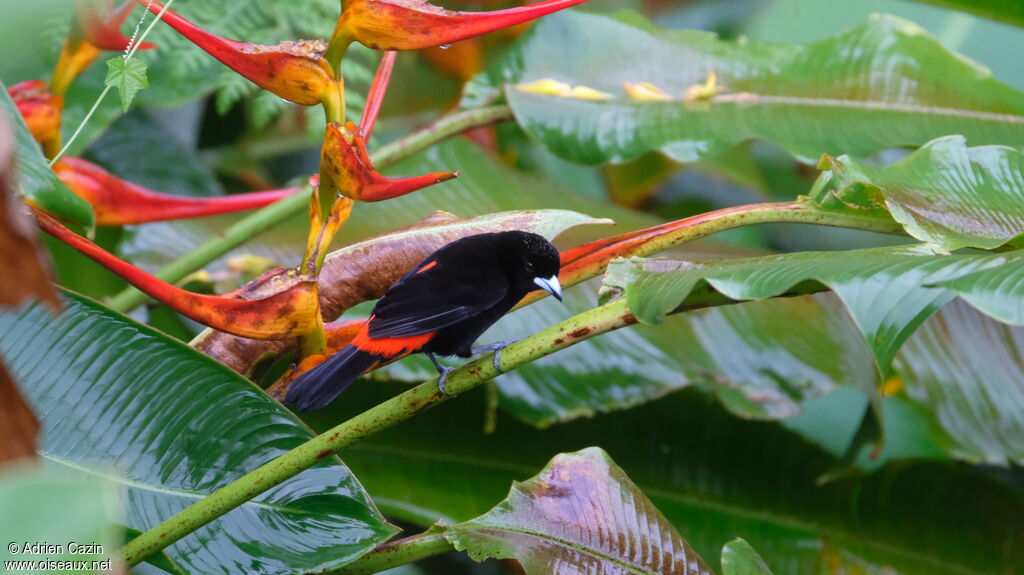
[105, 32]
[289, 307]
[93, 30]
[117, 202]
[40, 108]
[295, 71]
[375, 96]
[417, 24]
[350, 170]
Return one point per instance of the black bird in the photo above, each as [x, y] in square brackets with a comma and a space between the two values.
[440, 307]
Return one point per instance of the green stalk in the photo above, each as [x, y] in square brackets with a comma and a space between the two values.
[583, 326]
[580, 327]
[395, 553]
[264, 218]
[399, 408]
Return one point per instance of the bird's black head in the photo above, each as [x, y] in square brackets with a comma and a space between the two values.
[531, 262]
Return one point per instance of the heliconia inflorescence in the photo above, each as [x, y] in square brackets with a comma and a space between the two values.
[40, 108]
[295, 71]
[117, 202]
[283, 303]
[348, 167]
[417, 24]
[95, 27]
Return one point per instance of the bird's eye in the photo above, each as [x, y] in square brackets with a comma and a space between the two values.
[529, 266]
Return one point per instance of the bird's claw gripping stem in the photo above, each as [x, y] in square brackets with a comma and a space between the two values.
[496, 348]
[442, 372]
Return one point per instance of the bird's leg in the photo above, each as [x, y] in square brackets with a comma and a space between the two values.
[442, 372]
[496, 348]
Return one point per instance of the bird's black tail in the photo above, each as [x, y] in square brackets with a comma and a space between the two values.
[319, 386]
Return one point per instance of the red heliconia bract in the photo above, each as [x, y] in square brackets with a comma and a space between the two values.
[287, 306]
[103, 28]
[295, 71]
[417, 24]
[349, 168]
[92, 31]
[116, 202]
[40, 108]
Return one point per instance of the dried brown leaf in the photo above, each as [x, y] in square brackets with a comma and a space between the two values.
[365, 270]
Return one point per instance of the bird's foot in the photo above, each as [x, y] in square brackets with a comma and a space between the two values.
[442, 378]
[442, 372]
[496, 348]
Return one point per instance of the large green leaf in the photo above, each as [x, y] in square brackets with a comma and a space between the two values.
[739, 558]
[998, 292]
[65, 519]
[977, 38]
[1010, 11]
[580, 514]
[944, 193]
[169, 425]
[766, 364]
[36, 181]
[883, 84]
[888, 291]
[775, 358]
[713, 476]
[966, 370]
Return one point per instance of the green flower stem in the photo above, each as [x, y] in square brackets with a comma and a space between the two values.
[399, 408]
[264, 218]
[443, 129]
[583, 326]
[580, 327]
[667, 236]
[395, 553]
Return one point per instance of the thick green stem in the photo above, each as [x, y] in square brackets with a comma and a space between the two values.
[399, 408]
[260, 220]
[583, 326]
[396, 553]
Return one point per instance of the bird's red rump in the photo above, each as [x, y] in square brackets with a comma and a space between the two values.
[389, 346]
[427, 267]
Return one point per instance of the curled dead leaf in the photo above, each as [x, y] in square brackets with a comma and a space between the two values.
[365, 270]
[22, 276]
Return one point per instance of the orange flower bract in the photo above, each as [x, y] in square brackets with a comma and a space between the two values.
[417, 24]
[350, 170]
[287, 304]
[117, 202]
[40, 108]
[295, 71]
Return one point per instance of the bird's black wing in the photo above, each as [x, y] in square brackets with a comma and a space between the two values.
[437, 295]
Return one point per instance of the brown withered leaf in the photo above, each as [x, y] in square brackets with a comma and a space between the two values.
[22, 275]
[22, 272]
[19, 427]
[365, 270]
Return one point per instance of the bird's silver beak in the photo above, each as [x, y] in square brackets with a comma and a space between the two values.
[550, 285]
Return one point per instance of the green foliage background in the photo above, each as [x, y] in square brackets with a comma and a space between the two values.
[755, 419]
